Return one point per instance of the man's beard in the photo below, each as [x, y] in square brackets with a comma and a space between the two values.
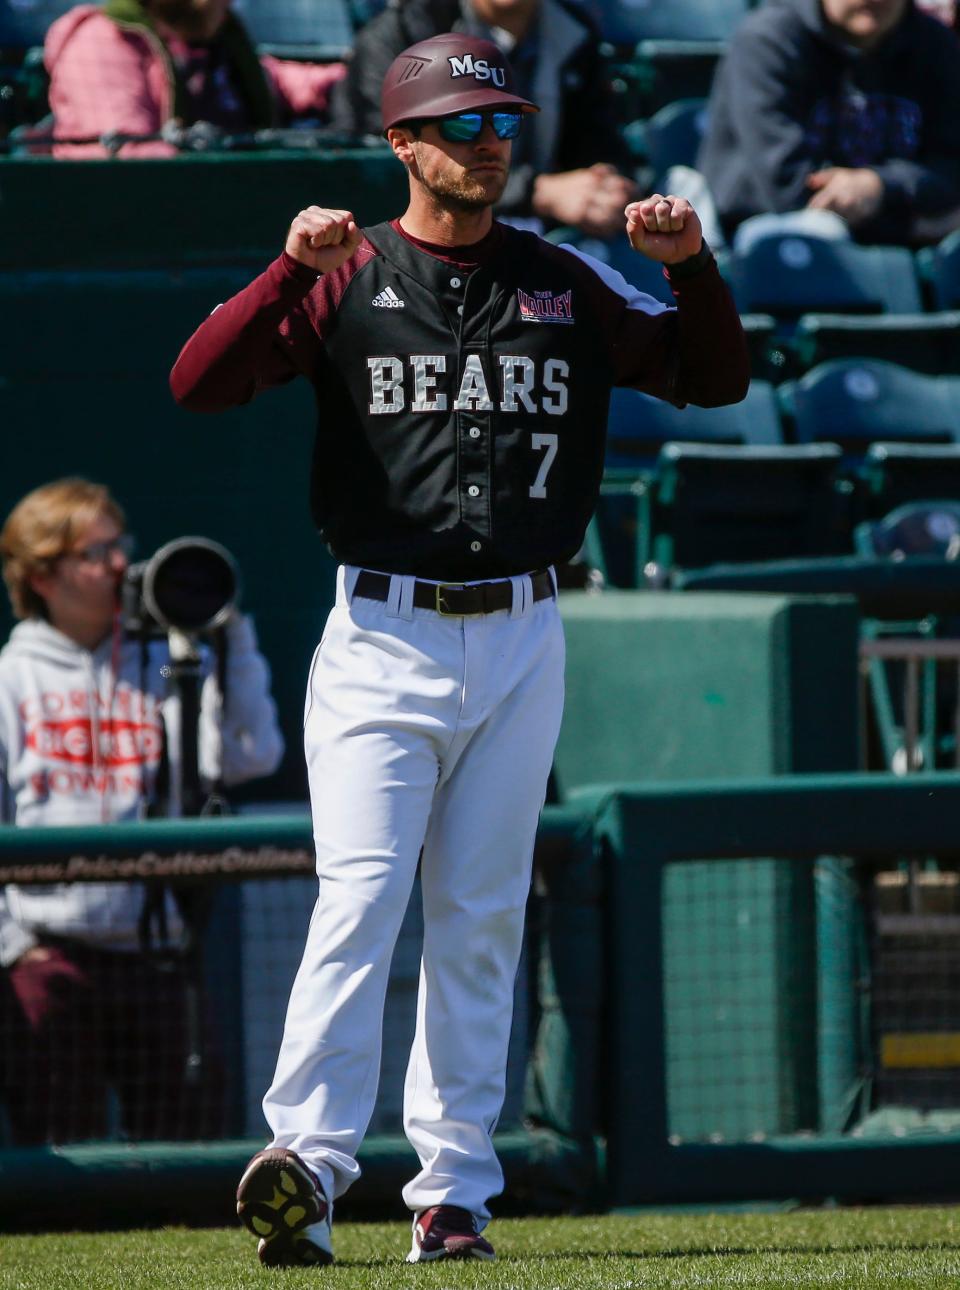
[462, 192]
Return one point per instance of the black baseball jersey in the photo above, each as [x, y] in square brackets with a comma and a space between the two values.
[462, 401]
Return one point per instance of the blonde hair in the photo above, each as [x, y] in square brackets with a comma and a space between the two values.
[41, 528]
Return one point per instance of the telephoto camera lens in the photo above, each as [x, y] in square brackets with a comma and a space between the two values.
[190, 585]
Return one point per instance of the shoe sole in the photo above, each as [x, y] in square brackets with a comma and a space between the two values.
[276, 1200]
[471, 1251]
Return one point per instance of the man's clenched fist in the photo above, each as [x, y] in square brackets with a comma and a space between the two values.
[666, 229]
[323, 239]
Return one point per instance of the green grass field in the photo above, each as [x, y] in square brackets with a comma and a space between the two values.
[861, 1248]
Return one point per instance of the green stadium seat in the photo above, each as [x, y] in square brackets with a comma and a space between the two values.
[670, 50]
[916, 529]
[769, 358]
[672, 136]
[314, 30]
[639, 425]
[23, 92]
[924, 342]
[624, 22]
[788, 275]
[611, 544]
[890, 590]
[895, 474]
[24, 25]
[710, 504]
[637, 429]
[940, 267]
[655, 73]
[854, 402]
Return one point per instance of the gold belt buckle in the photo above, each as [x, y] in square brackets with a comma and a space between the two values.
[440, 588]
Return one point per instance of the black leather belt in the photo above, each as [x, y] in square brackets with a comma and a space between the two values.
[453, 599]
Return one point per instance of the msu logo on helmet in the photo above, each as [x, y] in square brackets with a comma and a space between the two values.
[478, 67]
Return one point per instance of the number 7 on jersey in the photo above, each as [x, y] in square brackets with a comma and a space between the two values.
[546, 443]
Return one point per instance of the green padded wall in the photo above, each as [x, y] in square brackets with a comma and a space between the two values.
[667, 686]
[697, 686]
[189, 210]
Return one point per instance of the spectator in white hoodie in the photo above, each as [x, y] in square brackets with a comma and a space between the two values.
[95, 987]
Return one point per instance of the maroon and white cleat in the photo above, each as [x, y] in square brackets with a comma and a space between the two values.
[447, 1232]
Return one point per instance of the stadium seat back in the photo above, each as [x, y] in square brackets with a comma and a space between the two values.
[788, 275]
[896, 474]
[672, 136]
[712, 505]
[924, 342]
[643, 273]
[624, 22]
[929, 528]
[768, 357]
[639, 424]
[942, 266]
[320, 29]
[23, 26]
[856, 401]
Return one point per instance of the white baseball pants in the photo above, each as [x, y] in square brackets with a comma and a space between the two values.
[431, 733]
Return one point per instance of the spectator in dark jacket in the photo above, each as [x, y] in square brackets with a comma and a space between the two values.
[842, 106]
[568, 165]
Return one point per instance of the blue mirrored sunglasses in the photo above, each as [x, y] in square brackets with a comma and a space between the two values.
[469, 125]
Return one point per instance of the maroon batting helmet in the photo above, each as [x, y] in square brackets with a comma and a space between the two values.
[448, 74]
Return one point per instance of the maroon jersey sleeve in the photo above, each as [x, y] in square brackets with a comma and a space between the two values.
[265, 335]
[694, 352]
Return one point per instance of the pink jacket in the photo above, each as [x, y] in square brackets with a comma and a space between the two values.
[105, 77]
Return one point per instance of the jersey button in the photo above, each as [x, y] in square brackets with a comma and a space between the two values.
[473, 491]
[454, 282]
[476, 546]
[459, 309]
[474, 432]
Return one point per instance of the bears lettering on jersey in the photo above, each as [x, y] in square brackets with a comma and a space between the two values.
[519, 386]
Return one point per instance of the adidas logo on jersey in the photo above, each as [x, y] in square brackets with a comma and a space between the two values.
[387, 299]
